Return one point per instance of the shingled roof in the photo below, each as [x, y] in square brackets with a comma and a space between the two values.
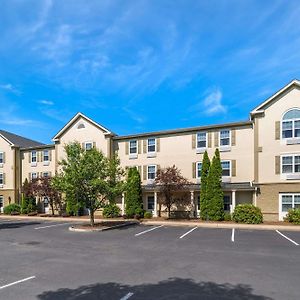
[19, 141]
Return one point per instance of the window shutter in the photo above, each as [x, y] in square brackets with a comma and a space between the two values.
[145, 172]
[3, 178]
[216, 139]
[194, 170]
[233, 137]
[50, 155]
[193, 141]
[277, 164]
[94, 144]
[126, 148]
[209, 139]
[38, 156]
[140, 170]
[233, 168]
[82, 146]
[139, 146]
[277, 130]
[3, 156]
[145, 146]
[29, 157]
[29, 176]
[157, 168]
[157, 144]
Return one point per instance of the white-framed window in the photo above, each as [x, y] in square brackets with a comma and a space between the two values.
[1, 179]
[290, 164]
[33, 156]
[133, 147]
[227, 202]
[33, 175]
[151, 145]
[88, 145]
[46, 156]
[150, 202]
[46, 174]
[290, 124]
[224, 137]
[201, 140]
[151, 172]
[289, 201]
[1, 157]
[226, 168]
[199, 169]
[1, 203]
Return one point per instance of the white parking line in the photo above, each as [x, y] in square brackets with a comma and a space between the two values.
[127, 296]
[232, 235]
[153, 228]
[287, 238]
[188, 232]
[16, 282]
[42, 227]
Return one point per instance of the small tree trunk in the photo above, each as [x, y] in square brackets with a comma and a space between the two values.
[52, 208]
[169, 211]
[92, 218]
[159, 209]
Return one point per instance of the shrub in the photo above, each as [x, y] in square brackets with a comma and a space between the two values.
[139, 213]
[28, 205]
[12, 209]
[247, 213]
[111, 211]
[293, 216]
[227, 216]
[147, 215]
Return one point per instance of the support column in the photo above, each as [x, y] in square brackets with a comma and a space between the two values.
[233, 201]
[255, 197]
[194, 205]
[123, 204]
[155, 205]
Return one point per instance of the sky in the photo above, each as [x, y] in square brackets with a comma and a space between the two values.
[140, 66]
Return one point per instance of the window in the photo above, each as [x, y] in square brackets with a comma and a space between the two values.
[33, 156]
[151, 145]
[201, 140]
[224, 138]
[150, 202]
[80, 126]
[199, 168]
[226, 200]
[46, 155]
[1, 179]
[1, 158]
[133, 147]
[290, 164]
[290, 201]
[88, 145]
[291, 124]
[225, 168]
[33, 175]
[151, 172]
[1, 203]
[45, 174]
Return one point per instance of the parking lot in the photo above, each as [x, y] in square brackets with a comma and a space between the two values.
[44, 260]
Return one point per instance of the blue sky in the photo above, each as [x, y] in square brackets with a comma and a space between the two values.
[137, 66]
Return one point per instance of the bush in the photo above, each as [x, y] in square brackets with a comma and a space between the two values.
[111, 211]
[227, 216]
[12, 209]
[247, 213]
[147, 215]
[28, 205]
[293, 216]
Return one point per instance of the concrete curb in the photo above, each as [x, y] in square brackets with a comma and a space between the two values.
[72, 228]
[225, 226]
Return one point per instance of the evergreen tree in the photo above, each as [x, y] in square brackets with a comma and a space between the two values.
[133, 195]
[204, 177]
[214, 193]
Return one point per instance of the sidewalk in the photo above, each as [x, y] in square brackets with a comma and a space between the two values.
[191, 223]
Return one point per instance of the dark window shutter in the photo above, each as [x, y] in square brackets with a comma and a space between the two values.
[277, 164]
[194, 170]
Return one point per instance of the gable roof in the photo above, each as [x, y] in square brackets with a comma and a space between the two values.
[17, 140]
[74, 119]
[260, 108]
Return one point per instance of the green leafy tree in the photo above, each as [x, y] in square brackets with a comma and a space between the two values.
[214, 193]
[28, 202]
[203, 192]
[133, 195]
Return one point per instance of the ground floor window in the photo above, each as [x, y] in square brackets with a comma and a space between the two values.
[289, 201]
[1, 203]
[150, 202]
[226, 200]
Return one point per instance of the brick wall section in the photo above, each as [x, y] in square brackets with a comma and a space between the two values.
[268, 198]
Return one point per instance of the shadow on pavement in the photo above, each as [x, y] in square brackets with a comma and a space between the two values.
[12, 225]
[173, 288]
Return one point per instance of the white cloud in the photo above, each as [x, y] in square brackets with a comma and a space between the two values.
[10, 88]
[133, 115]
[46, 102]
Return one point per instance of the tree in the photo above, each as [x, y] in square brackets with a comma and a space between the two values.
[214, 193]
[204, 177]
[170, 181]
[28, 203]
[133, 195]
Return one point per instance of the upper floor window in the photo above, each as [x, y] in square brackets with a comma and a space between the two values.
[291, 124]
[226, 168]
[46, 155]
[151, 172]
[199, 169]
[224, 138]
[1, 157]
[1, 179]
[46, 174]
[133, 147]
[33, 156]
[151, 145]
[290, 164]
[201, 140]
[88, 145]
[34, 176]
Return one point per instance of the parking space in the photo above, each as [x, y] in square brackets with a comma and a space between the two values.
[44, 260]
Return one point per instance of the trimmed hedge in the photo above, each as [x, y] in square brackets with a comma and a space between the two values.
[111, 211]
[293, 216]
[227, 216]
[12, 209]
[148, 215]
[247, 213]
